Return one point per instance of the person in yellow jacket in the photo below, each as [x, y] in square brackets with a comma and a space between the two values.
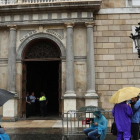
[42, 101]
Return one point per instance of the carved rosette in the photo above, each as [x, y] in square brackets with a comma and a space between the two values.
[42, 49]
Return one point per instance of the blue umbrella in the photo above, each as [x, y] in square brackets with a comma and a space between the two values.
[5, 96]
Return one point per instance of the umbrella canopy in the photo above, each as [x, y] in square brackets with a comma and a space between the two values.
[5, 96]
[91, 109]
[124, 94]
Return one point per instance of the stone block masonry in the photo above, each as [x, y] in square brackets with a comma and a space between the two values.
[116, 64]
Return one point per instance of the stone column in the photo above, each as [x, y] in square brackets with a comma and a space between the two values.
[91, 96]
[69, 97]
[10, 108]
[12, 60]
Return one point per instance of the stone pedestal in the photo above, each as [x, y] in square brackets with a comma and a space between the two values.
[91, 98]
[10, 110]
[69, 104]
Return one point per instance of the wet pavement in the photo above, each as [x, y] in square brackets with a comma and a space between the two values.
[40, 130]
[43, 134]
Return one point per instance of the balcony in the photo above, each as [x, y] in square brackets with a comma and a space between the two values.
[15, 2]
[12, 6]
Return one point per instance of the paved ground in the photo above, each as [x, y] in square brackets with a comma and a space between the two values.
[43, 134]
[39, 130]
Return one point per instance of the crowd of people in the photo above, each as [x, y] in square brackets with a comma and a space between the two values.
[31, 106]
[127, 118]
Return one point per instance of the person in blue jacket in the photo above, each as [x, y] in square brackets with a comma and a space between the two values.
[135, 117]
[3, 135]
[98, 127]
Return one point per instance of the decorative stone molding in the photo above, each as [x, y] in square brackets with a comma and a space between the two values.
[39, 36]
[12, 27]
[69, 24]
[89, 24]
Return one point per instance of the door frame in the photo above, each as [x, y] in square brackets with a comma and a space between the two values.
[24, 89]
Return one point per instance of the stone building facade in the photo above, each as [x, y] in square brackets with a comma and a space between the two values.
[95, 58]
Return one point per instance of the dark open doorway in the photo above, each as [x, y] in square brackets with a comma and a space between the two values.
[43, 76]
[42, 73]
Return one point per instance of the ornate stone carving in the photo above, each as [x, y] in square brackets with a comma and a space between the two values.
[89, 24]
[42, 49]
[69, 24]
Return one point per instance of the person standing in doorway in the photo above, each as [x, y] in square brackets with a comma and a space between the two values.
[32, 98]
[28, 105]
[42, 101]
[46, 108]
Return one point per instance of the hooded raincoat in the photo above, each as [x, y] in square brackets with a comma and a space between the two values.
[102, 124]
[4, 137]
[122, 114]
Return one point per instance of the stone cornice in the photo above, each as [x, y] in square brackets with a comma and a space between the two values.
[126, 10]
[92, 5]
[67, 18]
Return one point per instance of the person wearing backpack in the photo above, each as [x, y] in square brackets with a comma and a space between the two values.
[135, 117]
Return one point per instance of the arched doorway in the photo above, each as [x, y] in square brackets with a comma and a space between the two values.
[42, 73]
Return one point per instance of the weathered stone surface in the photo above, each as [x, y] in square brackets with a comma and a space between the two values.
[114, 27]
[114, 63]
[114, 39]
[98, 69]
[121, 81]
[80, 77]
[115, 87]
[103, 75]
[4, 43]
[121, 69]
[108, 45]
[115, 75]
[101, 63]
[109, 69]
[3, 76]
[80, 41]
[102, 28]
[103, 87]
[125, 16]
[113, 16]
[107, 22]
[109, 81]
[114, 51]
[102, 39]
[108, 57]
[128, 75]
[102, 51]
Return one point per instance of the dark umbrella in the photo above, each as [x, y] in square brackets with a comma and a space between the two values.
[91, 109]
[5, 96]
